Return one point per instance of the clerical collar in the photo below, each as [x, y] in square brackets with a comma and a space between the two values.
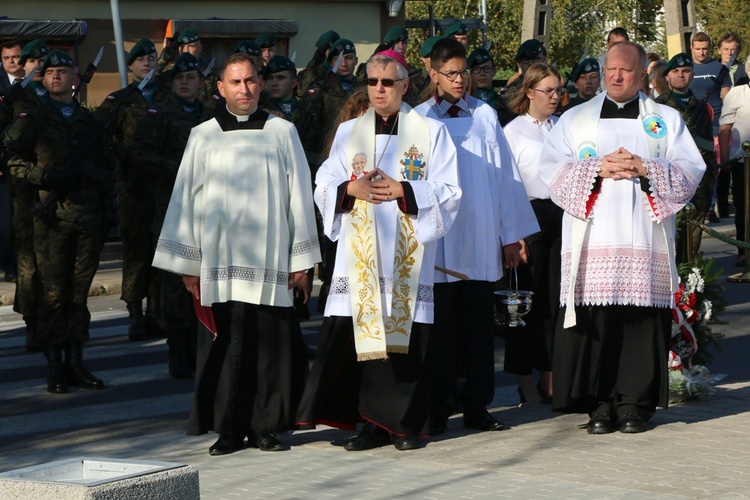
[627, 110]
[387, 125]
[230, 121]
[242, 118]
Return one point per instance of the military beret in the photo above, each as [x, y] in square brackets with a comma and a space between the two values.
[341, 45]
[589, 65]
[457, 28]
[480, 55]
[246, 47]
[681, 60]
[188, 36]
[265, 41]
[530, 49]
[35, 49]
[143, 47]
[186, 62]
[428, 45]
[57, 58]
[396, 34]
[279, 63]
[327, 39]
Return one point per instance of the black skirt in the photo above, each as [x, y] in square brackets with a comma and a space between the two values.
[253, 375]
[391, 393]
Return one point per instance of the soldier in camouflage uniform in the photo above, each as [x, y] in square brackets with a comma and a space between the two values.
[318, 66]
[267, 45]
[158, 143]
[24, 197]
[679, 74]
[482, 72]
[530, 52]
[67, 244]
[458, 32]
[420, 85]
[280, 80]
[137, 188]
[585, 76]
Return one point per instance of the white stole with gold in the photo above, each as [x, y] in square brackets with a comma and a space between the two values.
[586, 142]
[375, 334]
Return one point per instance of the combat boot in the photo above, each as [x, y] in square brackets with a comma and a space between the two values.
[136, 325]
[75, 373]
[56, 383]
[33, 344]
[178, 365]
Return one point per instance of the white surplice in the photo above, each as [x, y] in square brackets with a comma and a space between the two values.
[437, 196]
[628, 254]
[495, 210]
[241, 214]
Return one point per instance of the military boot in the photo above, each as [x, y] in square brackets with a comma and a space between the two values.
[75, 372]
[136, 325]
[152, 325]
[178, 365]
[56, 383]
[33, 344]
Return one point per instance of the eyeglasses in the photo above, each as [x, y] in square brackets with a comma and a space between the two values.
[551, 92]
[387, 82]
[452, 75]
[483, 69]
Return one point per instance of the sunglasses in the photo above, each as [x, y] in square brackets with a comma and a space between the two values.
[387, 82]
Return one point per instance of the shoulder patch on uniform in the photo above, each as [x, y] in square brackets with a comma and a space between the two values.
[23, 115]
[310, 91]
[215, 97]
[152, 112]
[111, 97]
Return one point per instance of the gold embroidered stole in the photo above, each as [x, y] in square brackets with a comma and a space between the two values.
[375, 332]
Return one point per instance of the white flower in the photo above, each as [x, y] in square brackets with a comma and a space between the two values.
[695, 282]
[706, 309]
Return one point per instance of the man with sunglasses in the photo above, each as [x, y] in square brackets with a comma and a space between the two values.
[494, 216]
[483, 69]
[371, 358]
[621, 166]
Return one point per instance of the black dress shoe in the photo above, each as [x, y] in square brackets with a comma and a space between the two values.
[482, 421]
[226, 445]
[438, 427]
[265, 441]
[371, 437]
[631, 423]
[600, 424]
[408, 442]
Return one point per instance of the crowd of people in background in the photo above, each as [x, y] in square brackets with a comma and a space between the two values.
[429, 185]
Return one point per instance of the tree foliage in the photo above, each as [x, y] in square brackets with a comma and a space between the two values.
[717, 17]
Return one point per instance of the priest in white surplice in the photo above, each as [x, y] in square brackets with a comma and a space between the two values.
[495, 215]
[240, 228]
[621, 166]
[370, 364]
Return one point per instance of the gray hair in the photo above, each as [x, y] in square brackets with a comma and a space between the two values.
[657, 70]
[642, 57]
[384, 61]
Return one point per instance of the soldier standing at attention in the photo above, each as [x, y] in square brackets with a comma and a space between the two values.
[483, 69]
[585, 76]
[159, 142]
[67, 243]
[23, 198]
[137, 187]
[267, 44]
[458, 32]
[318, 65]
[280, 76]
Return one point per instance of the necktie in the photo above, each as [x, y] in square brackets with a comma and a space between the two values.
[453, 111]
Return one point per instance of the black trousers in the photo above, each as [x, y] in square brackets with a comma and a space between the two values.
[738, 198]
[614, 354]
[463, 347]
[252, 376]
[392, 393]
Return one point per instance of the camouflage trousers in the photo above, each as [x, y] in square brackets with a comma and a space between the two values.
[138, 245]
[67, 256]
[24, 198]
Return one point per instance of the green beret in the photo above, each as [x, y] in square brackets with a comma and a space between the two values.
[188, 36]
[186, 62]
[341, 45]
[35, 49]
[479, 56]
[396, 34]
[457, 28]
[428, 44]
[327, 39]
[246, 47]
[265, 41]
[681, 60]
[143, 47]
[530, 49]
[589, 65]
[279, 63]
[57, 58]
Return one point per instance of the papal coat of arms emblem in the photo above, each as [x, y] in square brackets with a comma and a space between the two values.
[413, 165]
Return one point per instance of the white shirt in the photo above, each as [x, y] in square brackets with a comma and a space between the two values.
[736, 111]
[525, 136]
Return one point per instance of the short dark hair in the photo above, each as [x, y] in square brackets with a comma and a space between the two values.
[444, 50]
[618, 31]
[239, 57]
[10, 44]
[731, 37]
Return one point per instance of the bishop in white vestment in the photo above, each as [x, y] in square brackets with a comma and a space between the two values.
[621, 166]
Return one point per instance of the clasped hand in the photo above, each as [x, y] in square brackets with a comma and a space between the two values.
[622, 164]
[375, 187]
